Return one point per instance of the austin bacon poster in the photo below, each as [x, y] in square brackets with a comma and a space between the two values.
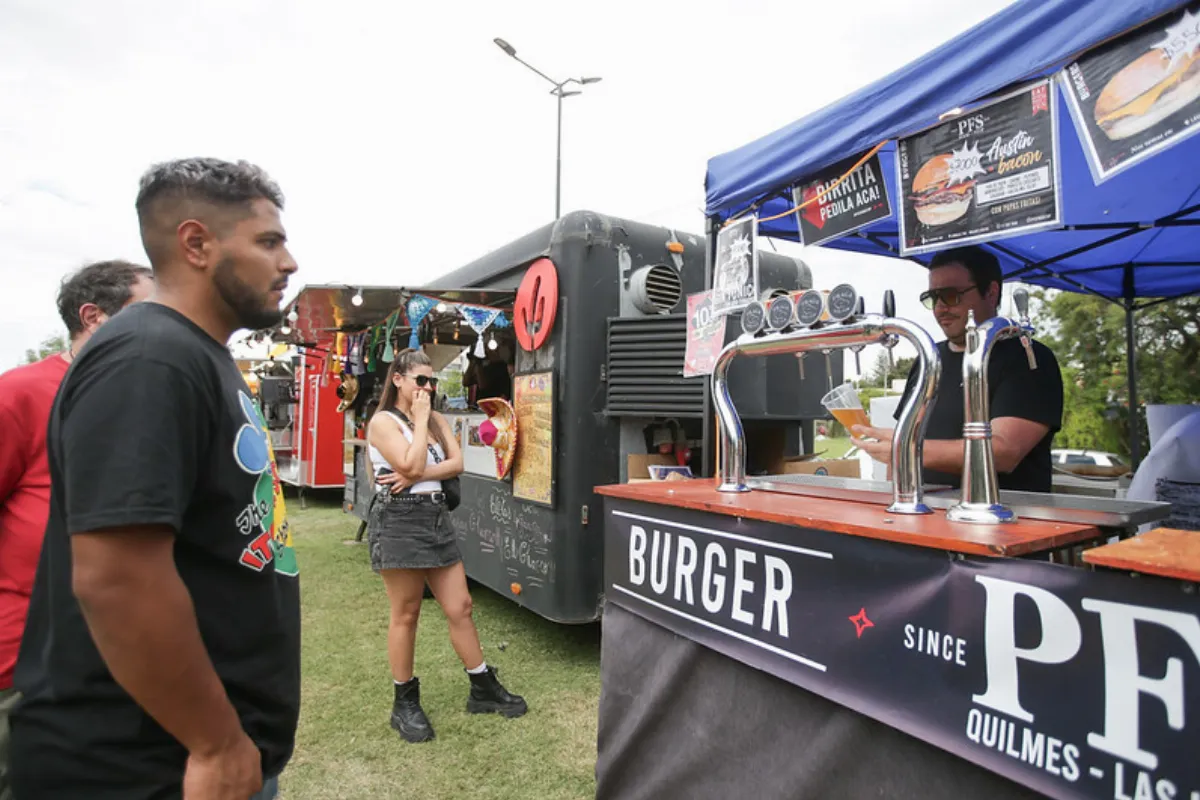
[859, 200]
[705, 336]
[1073, 682]
[1137, 95]
[989, 173]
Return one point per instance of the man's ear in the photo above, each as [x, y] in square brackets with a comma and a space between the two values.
[993, 293]
[91, 317]
[197, 243]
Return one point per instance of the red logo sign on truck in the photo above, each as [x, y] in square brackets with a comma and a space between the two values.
[536, 304]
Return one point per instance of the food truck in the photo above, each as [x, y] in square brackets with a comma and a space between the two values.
[300, 404]
[588, 316]
[804, 636]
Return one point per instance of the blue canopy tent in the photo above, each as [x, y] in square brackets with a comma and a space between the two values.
[1131, 239]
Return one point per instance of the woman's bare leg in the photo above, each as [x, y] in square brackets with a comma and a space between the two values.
[449, 585]
[405, 588]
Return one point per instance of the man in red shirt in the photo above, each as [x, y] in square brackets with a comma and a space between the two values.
[86, 300]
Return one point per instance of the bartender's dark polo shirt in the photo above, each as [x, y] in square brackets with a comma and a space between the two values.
[154, 424]
[1013, 391]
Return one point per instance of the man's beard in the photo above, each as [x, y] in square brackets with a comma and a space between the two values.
[251, 309]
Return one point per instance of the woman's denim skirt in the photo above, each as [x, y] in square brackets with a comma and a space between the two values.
[407, 531]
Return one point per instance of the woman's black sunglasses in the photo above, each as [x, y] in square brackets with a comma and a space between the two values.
[424, 380]
[950, 296]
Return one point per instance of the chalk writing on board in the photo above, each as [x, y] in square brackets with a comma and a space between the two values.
[533, 470]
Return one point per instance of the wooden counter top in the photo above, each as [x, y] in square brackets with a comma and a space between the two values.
[1168, 552]
[858, 519]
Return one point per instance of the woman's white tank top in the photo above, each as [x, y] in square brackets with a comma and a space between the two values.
[379, 463]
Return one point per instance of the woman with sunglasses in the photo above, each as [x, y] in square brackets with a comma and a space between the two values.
[412, 450]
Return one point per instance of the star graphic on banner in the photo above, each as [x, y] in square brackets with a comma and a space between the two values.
[739, 247]
[861, 622]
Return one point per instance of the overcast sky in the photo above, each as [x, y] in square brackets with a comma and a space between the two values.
[405, 141]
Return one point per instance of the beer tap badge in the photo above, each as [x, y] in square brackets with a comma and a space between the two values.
[735, 274]
[986, 174]
[1137, 95]
[859, 200]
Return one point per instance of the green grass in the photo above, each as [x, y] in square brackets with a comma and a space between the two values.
[345, 748]
[834, 448]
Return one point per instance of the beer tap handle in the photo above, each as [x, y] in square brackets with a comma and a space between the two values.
[889, 303]
[800, 360]
[860, 309]
[857, 362]
[1020, 298]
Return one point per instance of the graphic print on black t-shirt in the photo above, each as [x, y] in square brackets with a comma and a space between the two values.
[265, 514]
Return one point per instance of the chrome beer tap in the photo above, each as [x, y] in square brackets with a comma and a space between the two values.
[847, 330]
[980, 501]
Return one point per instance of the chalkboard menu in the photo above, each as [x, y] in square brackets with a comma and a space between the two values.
[533, 467]
[987, 174]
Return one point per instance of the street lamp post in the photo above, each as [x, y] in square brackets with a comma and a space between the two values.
[559, 91]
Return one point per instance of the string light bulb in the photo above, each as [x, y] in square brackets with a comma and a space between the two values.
[285, 330]
[492, 344]
[441, 308]
[456, 327]
[357, 300]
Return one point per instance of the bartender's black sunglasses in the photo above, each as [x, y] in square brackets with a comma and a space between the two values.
[949, 295]
[424, 380]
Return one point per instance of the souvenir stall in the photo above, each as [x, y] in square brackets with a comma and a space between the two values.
[561, 365]
[807, 637]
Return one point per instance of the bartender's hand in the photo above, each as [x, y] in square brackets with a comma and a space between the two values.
[875, 442]
[395, 480]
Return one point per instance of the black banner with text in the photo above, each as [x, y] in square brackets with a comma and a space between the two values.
[987, 174]
[859, 200]
[1075, 683]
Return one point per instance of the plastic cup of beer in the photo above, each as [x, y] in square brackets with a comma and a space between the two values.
[846, 408]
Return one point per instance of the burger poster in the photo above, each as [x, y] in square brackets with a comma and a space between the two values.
[857, 201]
[1139, 94]
[986, 174]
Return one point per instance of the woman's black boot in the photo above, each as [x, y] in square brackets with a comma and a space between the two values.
[489, 697]
[408, 718]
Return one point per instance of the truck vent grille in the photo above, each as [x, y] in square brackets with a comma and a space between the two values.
[645, 369]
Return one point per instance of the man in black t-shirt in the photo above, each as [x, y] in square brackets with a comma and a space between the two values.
[162, 653]
[1025, 405]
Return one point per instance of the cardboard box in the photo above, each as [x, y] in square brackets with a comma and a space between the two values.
[833, 467]
[637, 465]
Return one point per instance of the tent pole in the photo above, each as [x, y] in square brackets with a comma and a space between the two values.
[707, 462]
[1135, 455]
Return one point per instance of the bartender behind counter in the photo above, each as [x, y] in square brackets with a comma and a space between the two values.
[1025, 405]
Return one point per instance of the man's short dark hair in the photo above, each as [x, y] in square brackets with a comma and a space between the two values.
[106, 284]
[983, 265]
[174, 185]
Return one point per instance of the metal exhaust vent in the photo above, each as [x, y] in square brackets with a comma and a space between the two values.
[656, 289]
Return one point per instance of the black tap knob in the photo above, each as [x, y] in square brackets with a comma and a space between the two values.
[889, 303]
[861, 308]
[1020, 298]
